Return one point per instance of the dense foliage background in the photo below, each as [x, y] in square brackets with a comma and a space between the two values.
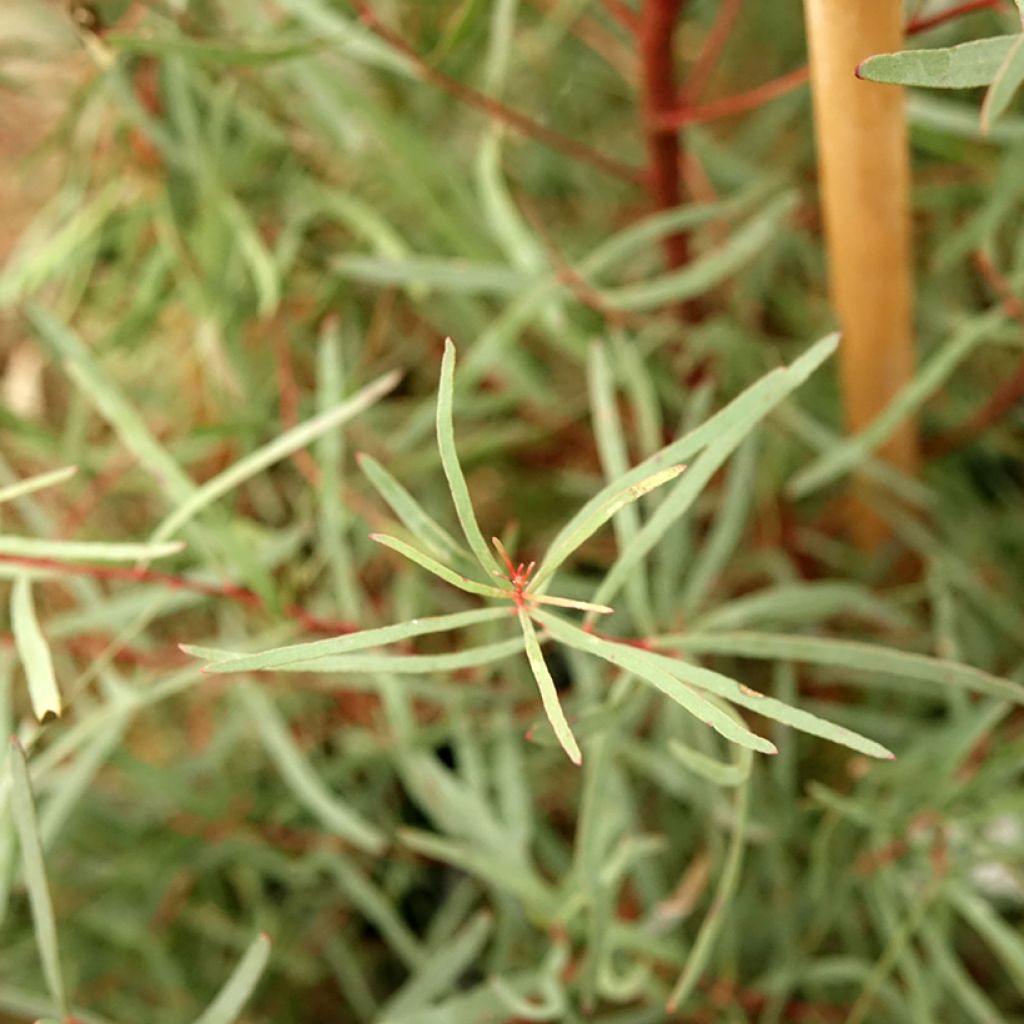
[248, 211]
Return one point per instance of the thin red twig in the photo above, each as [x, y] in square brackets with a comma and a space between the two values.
[751, 99]
[515, 119]
[738, 103]
[714, 42]
[170, 581]
[655, 32]
[622, 13]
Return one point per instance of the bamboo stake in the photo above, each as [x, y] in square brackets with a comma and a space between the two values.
[864, 173]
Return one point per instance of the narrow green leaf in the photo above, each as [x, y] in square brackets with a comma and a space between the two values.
[440, 970]
[721, 773]
[548, 692]
[86, 551]
[36, 483]
[848, 454]
[280, 657]
[408, 510]
[227, 1004]
[79, 362]
[642, 661]
[668, 682]
[411, 664]
[703, 273]
[281, 447]
[243, 53]
[614, 455]
[1004, 86]
[848, 654]
[453, 470]
[730, 518]
[565, 545]
[300, 778]
[964, 66]
[34, 653]
[456, 579]
[719, 911]
[755, 402]
[23, 810]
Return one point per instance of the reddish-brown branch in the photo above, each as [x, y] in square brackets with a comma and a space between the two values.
[515, 119]
[170, 581]
[1010, 393]
[622, 13]
[739, 103]
[655, 31]
[684, 113]
[710, 52]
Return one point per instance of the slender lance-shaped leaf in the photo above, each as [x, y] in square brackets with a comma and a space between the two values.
[565, 545]
[1004, 86]
[642, 662]
[34, 653]
[548, 693]
[36, 483]
[23, 809]
[456, 579]
[86, 551]
[762, 396]
[281, 447]
[409, 511]
[412, 664]
[849, 654]
[280, 657]
[965, 66]
[704, 273]
[304, 783]
[228, 1003]
[453, 470]
[848, 454]
[624, 656]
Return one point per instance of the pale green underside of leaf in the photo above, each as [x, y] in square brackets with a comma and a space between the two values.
[850, 654]
[411, 664]
[669, 683]
[452, 468]
[23, 810]
[282, 657]
[1004, 86]
[86, 551]
[36, 483]
[751, 404]
[302, 780]
[281, 447]
[964, 66]
[548, 692]
[424, 560]
[408, 510]
[228, 1003]
[34, 652]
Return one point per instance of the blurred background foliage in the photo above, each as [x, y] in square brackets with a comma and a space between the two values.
[220, 219]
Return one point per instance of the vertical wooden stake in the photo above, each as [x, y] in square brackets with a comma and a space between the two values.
[864, 174]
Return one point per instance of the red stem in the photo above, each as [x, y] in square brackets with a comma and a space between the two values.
[682, 113]
[654, 35]
[227, 591]
[494, 108]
